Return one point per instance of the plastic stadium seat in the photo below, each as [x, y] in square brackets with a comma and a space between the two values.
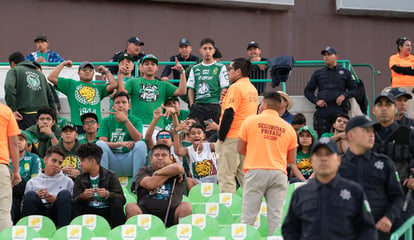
[153, 224]
[42, 224]
[230, 200]
[130, 232]
[96, 223]
[130, 197]
[125, 182]
[262, 225]
[185, 199]
[19, 232]
[206, 223]
[239, 231]
[73, 232]
[185, 231]
[240, 192]
[216, 210]
[200, 193]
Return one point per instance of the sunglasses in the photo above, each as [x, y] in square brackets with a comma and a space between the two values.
[168, 136]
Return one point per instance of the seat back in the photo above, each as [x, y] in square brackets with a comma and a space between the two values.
[42, 224]
[153, 224]
[19, 232]
[95, 223]
[73, 232]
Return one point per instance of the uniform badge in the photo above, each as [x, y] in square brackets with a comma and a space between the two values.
[345, 194]
[341, 72]
[379, 165]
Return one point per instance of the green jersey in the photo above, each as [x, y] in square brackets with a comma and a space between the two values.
[148, 95]
[82, 97]
[207, 82]
[117, 132]
[96, 201]
[70, 157]
[327, 134]
[83, 139]
[61, 121]
[304, 164]
[30, 166]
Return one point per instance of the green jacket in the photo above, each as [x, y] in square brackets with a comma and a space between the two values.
[27, 89]
[41, 141]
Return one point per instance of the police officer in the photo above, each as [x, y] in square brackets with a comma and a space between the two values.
[375, 173]
[133, 47]
[401, 104]
[335, 85]
[329, 206]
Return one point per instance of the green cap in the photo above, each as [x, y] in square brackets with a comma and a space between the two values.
[310, 130]
[69, 125]
[150, 57]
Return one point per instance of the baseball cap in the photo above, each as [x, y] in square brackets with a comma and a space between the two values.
[135, 40]
[253, 44]
[386, 95]
[308, 129]
[69, 125]
[329, 50]
[398, 92]
[41, 37]
[359, 121]
[125, 55]
[287, 98]
[89, 114]
[150, 57]
[85, 64]
[184, 41]
[170, 99]
[23, 134]
[325, 141]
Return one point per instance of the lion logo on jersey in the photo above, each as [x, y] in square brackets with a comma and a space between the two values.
[87, 95]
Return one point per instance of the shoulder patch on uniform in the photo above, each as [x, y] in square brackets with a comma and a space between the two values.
[397, 176]
[366, 205]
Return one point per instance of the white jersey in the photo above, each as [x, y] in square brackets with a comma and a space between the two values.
[203, 166]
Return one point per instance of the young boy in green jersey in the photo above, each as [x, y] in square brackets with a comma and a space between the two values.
[68, 143]
[90, 126]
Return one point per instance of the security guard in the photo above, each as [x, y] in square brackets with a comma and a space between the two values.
[133, 47]
[375, 173]
[401, 104]
[335, 85]
[329, 206]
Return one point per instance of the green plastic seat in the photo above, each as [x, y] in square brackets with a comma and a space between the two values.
[239, 192]
[185, 199]
[96, 223]
[217, 211]
[206, 223]
[125, 181]
[184, 232]
[73, 232]
[200, 193]
[262, 225]
[19, 232]
[99, 238]
[152, 224]
[42, 224]
[130, 197]
[128, 231]
[239, 231]
[230, 200]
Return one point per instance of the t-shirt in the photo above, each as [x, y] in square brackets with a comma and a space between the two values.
[83, 139]
[8, 128]
[207, 81]
[304, 163]
[82, 97]
[243, 98]
[30, 166]
[399, 79]
[96, 201]
[269, 138]
[203, 166]
[327, 134]
[117, 132]
[156, 201]
[148, 95]
[61, 121]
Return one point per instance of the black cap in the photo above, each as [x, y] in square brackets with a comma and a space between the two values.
[359, 121]
[325, 141]
[41, 37]
[252, 44]
[69, 125]
[135, 40]
[125, 55]
[398, 92]
[184, 41]
[85, 64]
[172, 98]
[386, 95]
[329, 50]
[89, 114]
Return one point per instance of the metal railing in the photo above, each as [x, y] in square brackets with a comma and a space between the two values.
[405, 230]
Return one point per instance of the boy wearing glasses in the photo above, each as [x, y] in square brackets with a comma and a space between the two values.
[83, 96]
[90, 126]
[120, 136]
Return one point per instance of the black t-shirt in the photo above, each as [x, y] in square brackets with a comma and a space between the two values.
[157, 200]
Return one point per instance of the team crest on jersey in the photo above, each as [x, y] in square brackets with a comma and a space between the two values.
[87, 95]
[215, 71]
[33, 81]
[203, 88]
[149, 93]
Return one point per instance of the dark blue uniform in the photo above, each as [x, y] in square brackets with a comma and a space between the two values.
[330, 83]
[406, 121]
[176, 74]
[377, 175]
[337, 210]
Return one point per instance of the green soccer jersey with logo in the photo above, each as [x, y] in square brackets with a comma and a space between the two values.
[83, 139]
[82, 97]
[30, 165]
[148, 95]
[96, 201]
[117, 132]
[207, 82]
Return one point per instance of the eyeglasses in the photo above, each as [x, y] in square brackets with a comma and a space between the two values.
[168, 136]
[89, 122]
[161, 154]
[87, 69]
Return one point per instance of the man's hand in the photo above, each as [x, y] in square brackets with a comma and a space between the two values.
[157, 114]
[68, 63]
[42, 193]
[120, 116]
[40, 59]
[101, 192]
[50, 198]
[169, 111]
[129, 144]
[177, 66]
[321, 103]
[18, 116]
[340, 99]
[45, 129]
[165, 79]
[102, 69]
[16, 178]
[409, 182]
[88, 193]
[211, 125]
[384, 224]
[71, 171]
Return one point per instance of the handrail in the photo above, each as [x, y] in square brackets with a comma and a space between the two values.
[405, 229]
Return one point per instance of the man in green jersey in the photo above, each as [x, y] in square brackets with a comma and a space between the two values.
[83, 96]
[90, 126]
